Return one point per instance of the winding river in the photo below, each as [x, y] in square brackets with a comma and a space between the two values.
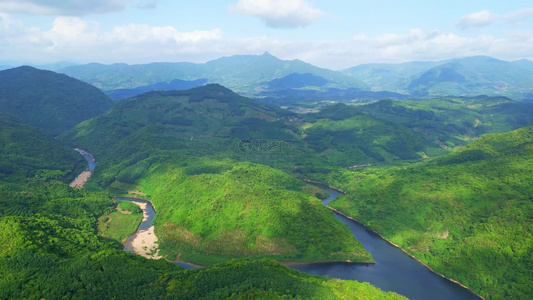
[393, 269]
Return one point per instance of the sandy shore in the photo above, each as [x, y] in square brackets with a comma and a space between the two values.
[80, 181]
[144, 242]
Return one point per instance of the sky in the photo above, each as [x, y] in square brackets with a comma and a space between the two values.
[335, 34]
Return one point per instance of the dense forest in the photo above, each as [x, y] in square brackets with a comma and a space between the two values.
[212, 208]
[223, 172]
[467, 214]
[55, 242]
[50, 101]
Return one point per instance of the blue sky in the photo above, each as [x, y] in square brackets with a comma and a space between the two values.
[333, 34]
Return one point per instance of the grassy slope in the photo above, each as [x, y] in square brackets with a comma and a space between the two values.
[120, 224]
[468, 215]
[210, 211]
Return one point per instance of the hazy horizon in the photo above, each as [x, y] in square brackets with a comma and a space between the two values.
[329, 34]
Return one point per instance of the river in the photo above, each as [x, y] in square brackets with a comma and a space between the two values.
[393, 269]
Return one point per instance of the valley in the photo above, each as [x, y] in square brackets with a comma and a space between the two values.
[445, 178]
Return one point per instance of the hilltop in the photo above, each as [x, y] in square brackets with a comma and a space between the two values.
[49, 101]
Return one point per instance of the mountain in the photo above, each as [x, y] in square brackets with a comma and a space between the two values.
[206, 120]
[389, 77]
[47, 100]
[469, 76]
[175, 85]
[468, 215]
[245, 74]
[188, 145]
[524, 63]
[388, 130]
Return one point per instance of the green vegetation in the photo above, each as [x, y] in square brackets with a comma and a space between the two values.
[28, 153]
[226, 209]
[190, 152]
[389, 130]
[468, 76]
[120, 224]
[51, 248]
[248, 74]
[468, 215]
[49, 101]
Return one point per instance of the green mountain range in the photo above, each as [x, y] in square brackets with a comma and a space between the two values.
[51, 247]
[47, 100]
[160, 141]
[245, 74]
[469, 76]
[221, 171]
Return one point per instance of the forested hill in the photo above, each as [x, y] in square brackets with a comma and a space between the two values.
[468, 215]
[51, 249]
[49, 101]
[28, 153]
[207, 120]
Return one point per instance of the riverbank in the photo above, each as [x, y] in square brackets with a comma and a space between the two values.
[298, 263]
[324, 184]
[144, 242]
[80, 181]
[410, 255]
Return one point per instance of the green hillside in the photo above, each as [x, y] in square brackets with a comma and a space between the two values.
[177, 130]
[451, 121]
[28, 153]
[389, 130]
[49, 101]
[51, 248]
[210, 211]
[468, 214]
[346, 136]
[209, 120]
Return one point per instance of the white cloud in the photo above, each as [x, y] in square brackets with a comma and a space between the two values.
[71, 8]
[9, 26]
[478, 19]
[518, 15]
[279, 13]
[80, 40]
[485, 18]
